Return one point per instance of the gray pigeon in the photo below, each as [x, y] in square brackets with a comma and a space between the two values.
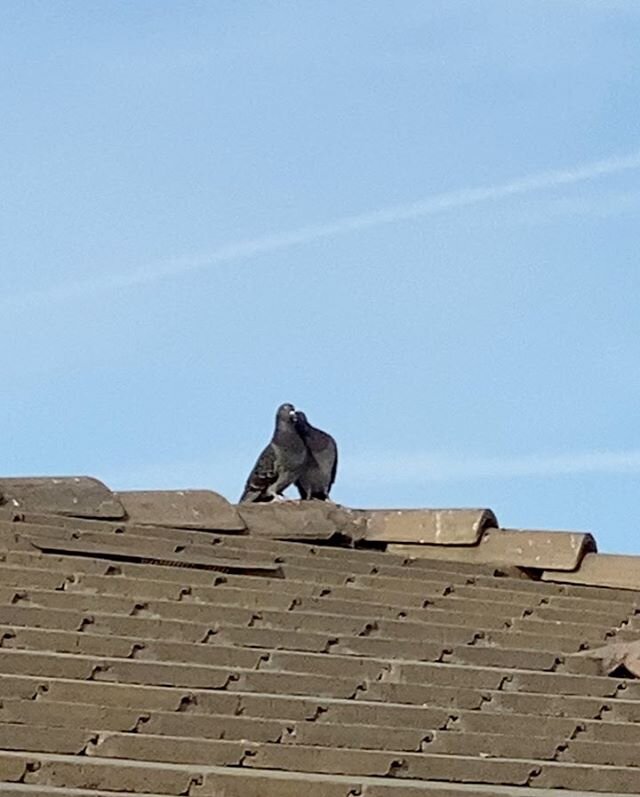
[319, 472]
[280, 463]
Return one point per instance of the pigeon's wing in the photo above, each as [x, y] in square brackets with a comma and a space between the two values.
[319, 471]
[263, 475]
[327, 458]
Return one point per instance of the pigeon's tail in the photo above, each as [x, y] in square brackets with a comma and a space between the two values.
[250, 494]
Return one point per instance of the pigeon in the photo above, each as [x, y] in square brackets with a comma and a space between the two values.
[319, 471]
[280, 463]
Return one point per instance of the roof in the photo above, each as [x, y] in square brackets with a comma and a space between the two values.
[169, 643]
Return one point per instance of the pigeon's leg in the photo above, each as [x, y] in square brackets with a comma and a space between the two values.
[305, 495]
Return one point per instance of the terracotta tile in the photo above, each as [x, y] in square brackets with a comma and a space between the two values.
[493, 656]
[490, 722]
[273, 784]
[85, 716]
[169, 749]
[296, 684]
[416, 694]
[486, 745]
[87, 773]
[26, 738]
[547, 705]
[361, 737]
[557, 683]
[359, 712]
[590, 778]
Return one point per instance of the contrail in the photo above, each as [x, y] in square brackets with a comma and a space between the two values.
[385, 468]
[243, 250]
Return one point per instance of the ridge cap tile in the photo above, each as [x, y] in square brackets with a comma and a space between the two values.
[540, 550]
[434, 526]
[604, 570]
[182, 509]
[310, 521]
[82, 496]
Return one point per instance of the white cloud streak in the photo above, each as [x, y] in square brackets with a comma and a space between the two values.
[424, 468]
[244, 250]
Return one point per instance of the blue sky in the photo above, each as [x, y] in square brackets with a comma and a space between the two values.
[416, 221]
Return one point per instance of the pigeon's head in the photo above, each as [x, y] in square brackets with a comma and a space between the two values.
[300, 420]
[286, 414]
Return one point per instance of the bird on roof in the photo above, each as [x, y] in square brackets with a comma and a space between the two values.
[280, 462]
[319, 471]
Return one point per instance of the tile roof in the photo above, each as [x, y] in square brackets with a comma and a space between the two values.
[169, 643]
